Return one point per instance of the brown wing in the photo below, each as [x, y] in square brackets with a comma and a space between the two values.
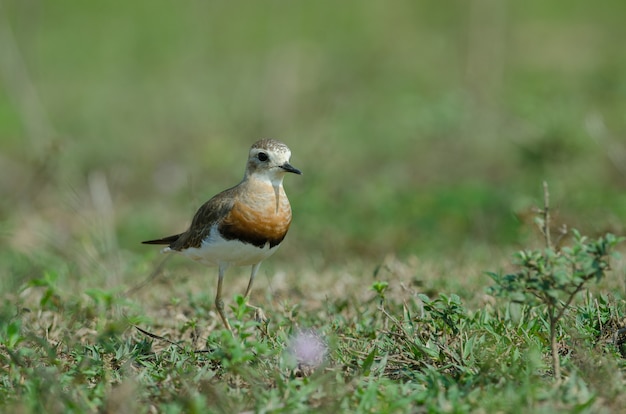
[210, 213]
[206, 216]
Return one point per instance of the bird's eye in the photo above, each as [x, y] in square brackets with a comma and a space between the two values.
[262, 156]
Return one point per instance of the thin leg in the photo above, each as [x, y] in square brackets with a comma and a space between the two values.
[255, 268]
[258, 312]
[219, 303]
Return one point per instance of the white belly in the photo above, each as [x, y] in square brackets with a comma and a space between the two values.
[216, 250]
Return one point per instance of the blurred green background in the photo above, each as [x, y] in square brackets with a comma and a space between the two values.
[422, 127]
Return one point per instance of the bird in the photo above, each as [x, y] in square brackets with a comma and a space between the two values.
[243, 225]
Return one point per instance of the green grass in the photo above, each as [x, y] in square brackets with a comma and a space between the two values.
[390, 349]
[424, 132]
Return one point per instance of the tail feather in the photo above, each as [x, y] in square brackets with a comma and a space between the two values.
[165, 240]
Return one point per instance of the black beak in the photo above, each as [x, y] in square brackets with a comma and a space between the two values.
[290, 168]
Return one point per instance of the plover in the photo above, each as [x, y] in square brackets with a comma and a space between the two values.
[242, 225]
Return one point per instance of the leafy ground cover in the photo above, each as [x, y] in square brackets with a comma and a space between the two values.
[414, 277]
[385, 347]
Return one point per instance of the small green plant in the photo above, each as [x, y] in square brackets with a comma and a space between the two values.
[380, 287]
[10, 335]
[552, 277]
[50, 298]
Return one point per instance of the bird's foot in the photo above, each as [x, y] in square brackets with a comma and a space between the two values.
[259, 315]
